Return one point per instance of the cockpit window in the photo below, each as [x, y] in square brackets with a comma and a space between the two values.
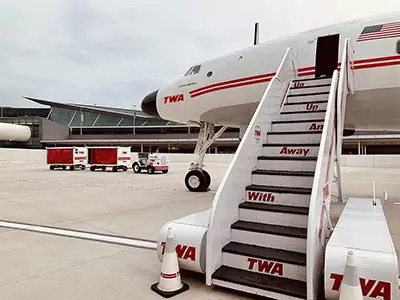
[193, 70]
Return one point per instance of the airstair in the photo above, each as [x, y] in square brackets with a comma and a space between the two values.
[270, 216]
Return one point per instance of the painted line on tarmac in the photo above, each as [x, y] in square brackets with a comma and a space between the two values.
[83, 235]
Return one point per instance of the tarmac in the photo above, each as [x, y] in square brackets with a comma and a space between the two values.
[54, 266]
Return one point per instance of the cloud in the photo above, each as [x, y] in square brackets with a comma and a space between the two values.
[115, 52]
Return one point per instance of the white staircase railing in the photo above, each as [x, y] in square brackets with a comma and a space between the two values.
[231, 191]
[329, 152]
[345, 87]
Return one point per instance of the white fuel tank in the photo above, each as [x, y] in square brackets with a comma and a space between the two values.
[14, 133]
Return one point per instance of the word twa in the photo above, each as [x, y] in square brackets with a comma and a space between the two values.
[174, 98]
[370, 287]
[265, 266]
[260, 196]
[183, 251]
[294, 151]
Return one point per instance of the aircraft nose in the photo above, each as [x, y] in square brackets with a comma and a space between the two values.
[149, 104]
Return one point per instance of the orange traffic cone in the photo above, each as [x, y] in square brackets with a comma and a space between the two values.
[170, 283]
[350, 289]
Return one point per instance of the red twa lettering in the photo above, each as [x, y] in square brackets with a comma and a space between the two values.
[314, 126]
[265, 266]
[183, 251]
[381, 289]
[173, 99]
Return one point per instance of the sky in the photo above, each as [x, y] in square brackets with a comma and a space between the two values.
[115, 52]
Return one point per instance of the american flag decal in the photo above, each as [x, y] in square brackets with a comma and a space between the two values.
[381, 31]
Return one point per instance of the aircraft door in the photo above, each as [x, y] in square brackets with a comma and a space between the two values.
[326, 59]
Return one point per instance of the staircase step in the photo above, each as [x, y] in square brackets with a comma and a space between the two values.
[304, 107]
[274, 214]
[271, 229]
[283, 178]
[297, 125]
[300, 150]
[260, 284]
[312, 81]
[270, 236]
[272, 195]
[285, 256]
[287, 163]
[264, 266]
[300, 137]
[298, 116]
[279, 189]
[308, 97]
[309, 89]
[275, 208]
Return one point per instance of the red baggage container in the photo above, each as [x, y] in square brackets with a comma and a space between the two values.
[103, 156]
[63, 157]
[118, 158]
[60, 156]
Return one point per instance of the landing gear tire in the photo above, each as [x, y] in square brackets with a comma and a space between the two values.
[114, 169]
[150, 170]
[208, 179]
[196, 181]
[92, 168]
[136, 168]
[51, 167]
[71, 168]
[124, 168]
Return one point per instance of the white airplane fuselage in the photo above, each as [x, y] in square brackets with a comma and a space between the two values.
[226, 90]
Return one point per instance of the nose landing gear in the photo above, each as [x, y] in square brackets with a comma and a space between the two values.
[198, 179]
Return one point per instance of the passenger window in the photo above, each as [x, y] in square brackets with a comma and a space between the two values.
[398, 46]
[193, 70]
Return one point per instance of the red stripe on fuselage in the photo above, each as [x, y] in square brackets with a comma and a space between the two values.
[230, 86]
[232, 81]
[306, 71]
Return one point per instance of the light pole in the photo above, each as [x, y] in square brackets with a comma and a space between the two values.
[134, 119]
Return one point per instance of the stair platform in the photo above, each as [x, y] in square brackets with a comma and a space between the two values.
[280, 255]
[278, 285]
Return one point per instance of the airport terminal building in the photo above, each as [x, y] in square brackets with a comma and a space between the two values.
[67, 124]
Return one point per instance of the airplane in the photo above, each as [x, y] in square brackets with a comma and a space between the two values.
[225, 91]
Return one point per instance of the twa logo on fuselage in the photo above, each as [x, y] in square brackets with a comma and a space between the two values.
[183, 251]
[294, 151]
[260, 196]
[370, 287]
[265, 266]
[315, 126]
[174, 98]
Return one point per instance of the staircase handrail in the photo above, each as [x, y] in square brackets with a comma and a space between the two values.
[231, 192]
[318, 216]
[345, 86]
